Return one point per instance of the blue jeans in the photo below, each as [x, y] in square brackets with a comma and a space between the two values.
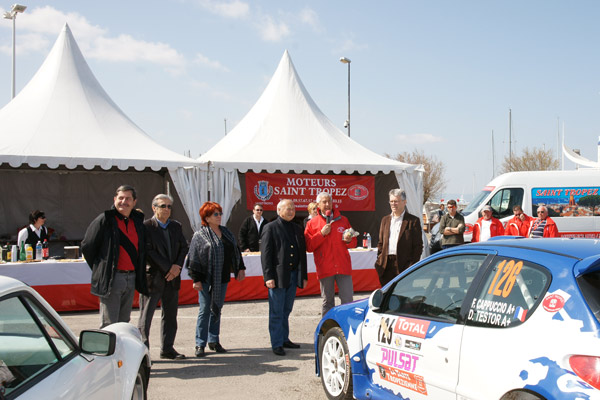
[208, 324]
[281, 302]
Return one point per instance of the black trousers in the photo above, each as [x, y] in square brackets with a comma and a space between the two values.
[169, 298]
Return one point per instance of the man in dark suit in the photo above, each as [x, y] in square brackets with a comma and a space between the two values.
[400, 239]
[167, 249]
[251, 229]
[283, 258]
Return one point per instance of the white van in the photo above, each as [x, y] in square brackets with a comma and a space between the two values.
[572, 199]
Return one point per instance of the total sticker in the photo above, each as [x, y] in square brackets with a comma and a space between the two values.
[553, 303]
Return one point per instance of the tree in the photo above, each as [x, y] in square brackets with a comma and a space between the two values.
[433, 179]
[535, 159]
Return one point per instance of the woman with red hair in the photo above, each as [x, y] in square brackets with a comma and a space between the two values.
[213, 256]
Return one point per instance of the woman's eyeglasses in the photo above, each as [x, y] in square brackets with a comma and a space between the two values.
[217, 214]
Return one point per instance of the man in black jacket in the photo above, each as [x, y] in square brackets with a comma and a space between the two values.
[114, 247]
[167, 249]
[283, 259]
[251, 230]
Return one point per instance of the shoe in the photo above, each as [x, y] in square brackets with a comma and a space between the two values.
[291, 345]
[200, 351]
[172, 355]
[279, 351]
[217, 347]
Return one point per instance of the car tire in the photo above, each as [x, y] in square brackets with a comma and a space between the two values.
[336, 373]
[520, 395]
[140, 387]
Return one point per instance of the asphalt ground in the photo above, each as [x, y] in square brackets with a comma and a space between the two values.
[248, 370]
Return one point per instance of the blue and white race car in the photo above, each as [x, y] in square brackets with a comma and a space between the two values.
[502, 319]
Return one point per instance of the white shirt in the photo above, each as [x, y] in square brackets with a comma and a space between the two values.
[258, 223]
[485, 230]
[395, 226]
[23, 234]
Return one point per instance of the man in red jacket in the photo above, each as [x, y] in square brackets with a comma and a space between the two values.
[487, 226]
[519, 224]
[543, 226]
[325, 237]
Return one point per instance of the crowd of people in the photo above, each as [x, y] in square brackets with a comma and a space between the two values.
[127, 253]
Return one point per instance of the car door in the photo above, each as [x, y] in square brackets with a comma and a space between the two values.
[412, 343]
[39, 358]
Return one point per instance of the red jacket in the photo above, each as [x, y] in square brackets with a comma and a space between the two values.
[550, 230]
[330, 252]
[516, 227]
[496, 229]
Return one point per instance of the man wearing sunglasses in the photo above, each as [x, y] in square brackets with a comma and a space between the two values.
[543, 226]
[251, 230]
[167, 249]
[519, 224]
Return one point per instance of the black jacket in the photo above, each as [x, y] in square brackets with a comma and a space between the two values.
[249, 237]
[159, 261]
[278, 253]
[100, 248]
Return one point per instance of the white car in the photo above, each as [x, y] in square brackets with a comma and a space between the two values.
[40, 358]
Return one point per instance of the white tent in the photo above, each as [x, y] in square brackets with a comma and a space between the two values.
[286, 131]
[63, 119]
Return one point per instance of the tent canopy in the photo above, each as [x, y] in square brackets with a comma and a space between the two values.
[64, 117]
[286, 131]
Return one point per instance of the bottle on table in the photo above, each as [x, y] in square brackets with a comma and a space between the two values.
[14, 253]
[28, 252]
[38, 250]
[368, 246]
[22, 255]
[45, 250]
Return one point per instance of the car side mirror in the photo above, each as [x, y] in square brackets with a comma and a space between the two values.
[376, 300]
[97, 342]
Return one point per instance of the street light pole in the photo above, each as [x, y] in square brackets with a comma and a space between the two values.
[345, 60]
[12, 14]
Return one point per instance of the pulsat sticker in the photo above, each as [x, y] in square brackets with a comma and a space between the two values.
[553, 303]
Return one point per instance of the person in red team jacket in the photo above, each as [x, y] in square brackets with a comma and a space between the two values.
[487, 226]
[519, 224]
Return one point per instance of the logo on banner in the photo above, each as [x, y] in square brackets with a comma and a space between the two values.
[263, 191]
[358, 192]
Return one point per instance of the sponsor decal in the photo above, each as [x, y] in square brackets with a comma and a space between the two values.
[349, 192]
[399, 359]
[405, 379]
[572, 201]
[411, 327]
[398, 341]
[553, 303]
[412, 345]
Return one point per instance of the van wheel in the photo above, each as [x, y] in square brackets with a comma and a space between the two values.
[336, 373]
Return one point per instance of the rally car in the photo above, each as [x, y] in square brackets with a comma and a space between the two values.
[502, 319]
[40, 358]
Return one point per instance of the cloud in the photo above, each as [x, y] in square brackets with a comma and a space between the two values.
[272, 31]
[419, 138]
[203, 60]
[235, 9]
[309, 17]
[41, 26]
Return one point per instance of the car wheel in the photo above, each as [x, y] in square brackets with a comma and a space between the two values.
[140, 386]
[520, 395]
[336, 374]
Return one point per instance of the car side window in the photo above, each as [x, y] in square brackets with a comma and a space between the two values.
[26, 351]
[435, 290]
[509, 293]
[504, 200]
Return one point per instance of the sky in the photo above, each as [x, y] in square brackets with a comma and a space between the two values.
[437, 76]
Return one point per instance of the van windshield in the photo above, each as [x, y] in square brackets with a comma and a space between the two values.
[474, 204]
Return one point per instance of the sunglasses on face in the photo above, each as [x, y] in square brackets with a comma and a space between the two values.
[217, 214]
[165, 206]
[259, 210]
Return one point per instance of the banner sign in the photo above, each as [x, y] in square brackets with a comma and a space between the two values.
[576, 201]
[349, 193]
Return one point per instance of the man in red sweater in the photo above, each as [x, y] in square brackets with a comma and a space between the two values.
[519, 224]
[326, 238]
[487, 226]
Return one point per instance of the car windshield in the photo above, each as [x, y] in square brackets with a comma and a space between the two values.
[474, 204]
